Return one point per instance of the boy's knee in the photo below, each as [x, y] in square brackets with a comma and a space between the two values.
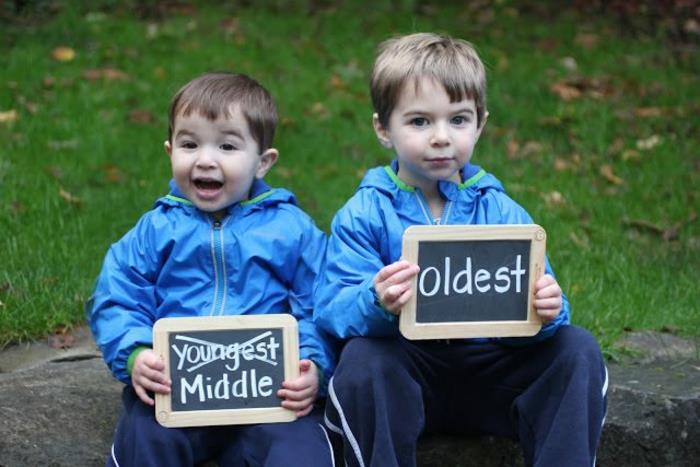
[365, 363]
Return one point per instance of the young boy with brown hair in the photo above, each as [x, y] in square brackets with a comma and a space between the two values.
[221, 243]
[548, 391]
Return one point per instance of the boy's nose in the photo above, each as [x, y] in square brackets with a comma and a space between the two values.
[205, 159]
[440, 136]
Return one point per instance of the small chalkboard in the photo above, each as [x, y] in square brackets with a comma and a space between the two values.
[226, 370]
[474, 280]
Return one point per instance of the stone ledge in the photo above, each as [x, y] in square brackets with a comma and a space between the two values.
[63, 413]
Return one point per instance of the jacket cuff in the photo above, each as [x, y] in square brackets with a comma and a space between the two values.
[132, 358]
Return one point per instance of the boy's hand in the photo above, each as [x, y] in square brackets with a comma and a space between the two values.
[300, 393]
[148, 374]
[393, 285]
[547, 298]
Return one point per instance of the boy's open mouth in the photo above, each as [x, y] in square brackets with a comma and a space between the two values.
[205, 184]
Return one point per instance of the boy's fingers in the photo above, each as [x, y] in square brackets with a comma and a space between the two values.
[304, 412]
[388, 271]
[296, 395]
[297, 405]
[548, 303]
[141, 392]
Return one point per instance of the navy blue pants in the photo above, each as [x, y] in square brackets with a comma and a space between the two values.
[551, 396]
[141, 441]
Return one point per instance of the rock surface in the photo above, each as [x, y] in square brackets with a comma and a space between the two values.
[59, 408]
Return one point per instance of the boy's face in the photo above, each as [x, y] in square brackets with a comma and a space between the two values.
[433, 137]
[215, 162]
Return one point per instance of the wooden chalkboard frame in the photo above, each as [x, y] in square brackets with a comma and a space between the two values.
[165, 326]
[411, 329]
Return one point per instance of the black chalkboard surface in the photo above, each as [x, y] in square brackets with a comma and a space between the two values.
[225, 370]
[474, 281]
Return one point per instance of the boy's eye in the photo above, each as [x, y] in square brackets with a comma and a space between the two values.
[188, 144]
[419, 121]
[460, 120]
[228, 147]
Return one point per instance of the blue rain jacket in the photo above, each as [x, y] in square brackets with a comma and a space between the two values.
[366, 235]
[261, 258]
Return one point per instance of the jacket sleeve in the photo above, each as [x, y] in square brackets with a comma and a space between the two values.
[513, 213]
[346, 302]
[314, 344]
[121, 310]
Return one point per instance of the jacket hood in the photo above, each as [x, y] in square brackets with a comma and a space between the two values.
[261, 195]
[386, 180]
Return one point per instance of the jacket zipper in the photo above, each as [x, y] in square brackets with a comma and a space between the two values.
[426, 210]
[217, 254]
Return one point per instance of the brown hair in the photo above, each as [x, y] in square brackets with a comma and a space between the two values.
[213, 94]
[451, 62]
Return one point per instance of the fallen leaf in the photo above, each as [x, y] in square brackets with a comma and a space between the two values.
[320, 110]
[141, 116]
[648, 143]
[69, 198]
[565, 92]
[586, 40]
[512, 148]
[55, 172]
[569, 63]
[63, 54]
[112, 173]
[531, 147]
[283, 172]
[109, 74]
[65, 144]
[630, 155]
[606, 171]
[61, 341]
[580, 241]
[336, 82]
[9, 116]
[561, 165]
[554, 199]
[646, 112]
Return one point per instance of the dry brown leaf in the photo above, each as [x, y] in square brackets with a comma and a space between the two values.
[113, 174]
[55, 172]
[61, 340]
[320, 110]
[109, 74]
[69, 198]
[586, 40]
[512, 148]
[336, 82]
[648, 143]
[565, 92]
[63, 54]
[580, 241]
[141, 116]
[554, 199]
[9, 116]
[630, 155]
[531, 147]
[561, 165]
[606, 171]
[283, 172]
[647, 112]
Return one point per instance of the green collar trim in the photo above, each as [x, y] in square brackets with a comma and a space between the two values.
[395, 178]
[472, 180]
[257, 199]
[177, 199]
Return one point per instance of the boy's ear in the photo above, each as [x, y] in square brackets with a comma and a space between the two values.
[168, 148]
[267, 160]
[381, 132]
[483, 124]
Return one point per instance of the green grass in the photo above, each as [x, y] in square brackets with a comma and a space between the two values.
[78, 136]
